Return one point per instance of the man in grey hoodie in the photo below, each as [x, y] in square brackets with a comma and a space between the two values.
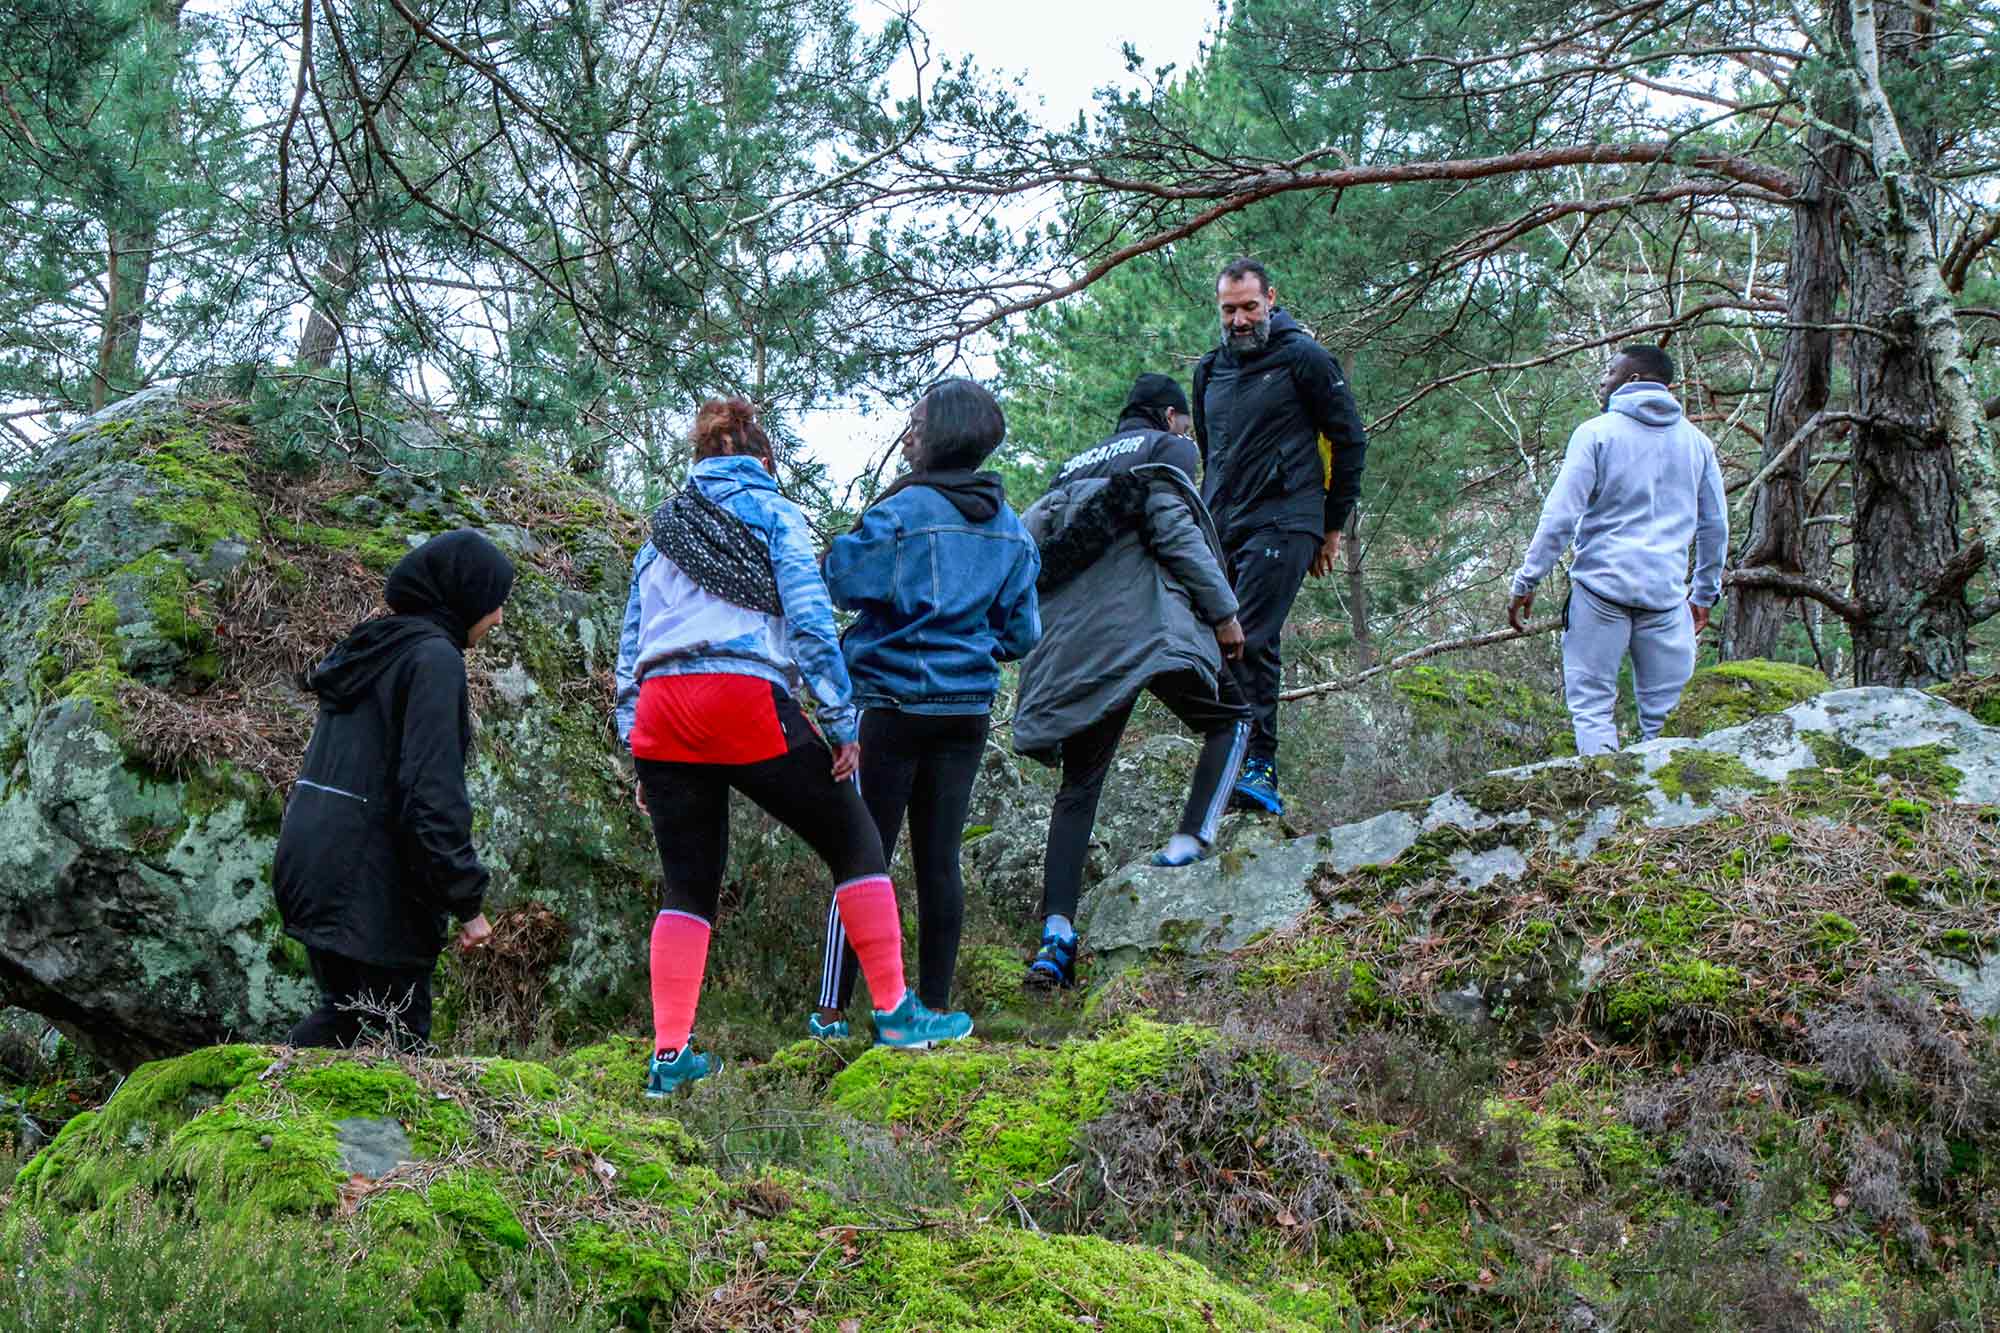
[1638, 484]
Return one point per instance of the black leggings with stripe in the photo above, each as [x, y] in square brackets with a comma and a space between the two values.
[921, 764]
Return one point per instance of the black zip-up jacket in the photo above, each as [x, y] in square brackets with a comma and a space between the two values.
[1282, 446]
[376, 849]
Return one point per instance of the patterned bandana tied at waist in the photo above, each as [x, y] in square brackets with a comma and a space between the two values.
[719, 551]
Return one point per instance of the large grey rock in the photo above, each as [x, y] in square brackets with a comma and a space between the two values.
[135, 907]
[1262, 883]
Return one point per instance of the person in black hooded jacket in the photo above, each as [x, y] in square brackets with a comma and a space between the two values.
[1282, 448]
[375, 853]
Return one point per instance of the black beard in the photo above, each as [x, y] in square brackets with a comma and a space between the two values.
[1255, 339]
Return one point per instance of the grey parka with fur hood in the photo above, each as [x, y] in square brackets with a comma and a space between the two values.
[1132, 587]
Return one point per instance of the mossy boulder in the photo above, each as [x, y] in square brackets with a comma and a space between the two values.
[1730, 693]
[1838, 746]
[160, 584]
[622, 1202]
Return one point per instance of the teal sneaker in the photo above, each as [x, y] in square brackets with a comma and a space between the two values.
[664, 1074]
[834, 1031]
[1257, 788]
[1055, 962]
[912, 1027]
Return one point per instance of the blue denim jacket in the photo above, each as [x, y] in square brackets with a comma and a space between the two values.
[943, 599]
[672, 627]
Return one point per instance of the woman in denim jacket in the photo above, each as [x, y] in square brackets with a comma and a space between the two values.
[943, 576]
[726, 628]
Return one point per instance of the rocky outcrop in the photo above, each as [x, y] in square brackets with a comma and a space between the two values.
[160, 583]
[1491, 829]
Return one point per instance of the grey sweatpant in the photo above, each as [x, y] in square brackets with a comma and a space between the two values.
[1600, 633]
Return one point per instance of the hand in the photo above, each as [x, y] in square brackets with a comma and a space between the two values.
[474, 934]
[1322, 564]
[1229, 638]
[846, 760]
[639, 797]
[1700, 614]
[1518, 612]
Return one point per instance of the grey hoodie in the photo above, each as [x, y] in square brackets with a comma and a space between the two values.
[1638, 484]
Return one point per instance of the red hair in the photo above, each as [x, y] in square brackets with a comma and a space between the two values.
[729, 426]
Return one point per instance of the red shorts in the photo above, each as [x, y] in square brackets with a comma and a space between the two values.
[716, 719]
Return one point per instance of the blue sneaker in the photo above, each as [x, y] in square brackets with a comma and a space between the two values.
[1055, 962]
[912, 1027]
[664, 1074]
[834, 1031]
[1257, 788]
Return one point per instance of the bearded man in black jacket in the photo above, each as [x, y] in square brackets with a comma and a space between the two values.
[1282, 448]
[375, 854]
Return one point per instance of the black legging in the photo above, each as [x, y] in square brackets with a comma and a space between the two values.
[355, 997]
[1215, 712]
[923, 763]
[689, 805]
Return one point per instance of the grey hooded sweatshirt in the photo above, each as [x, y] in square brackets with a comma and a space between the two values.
[1638, 484]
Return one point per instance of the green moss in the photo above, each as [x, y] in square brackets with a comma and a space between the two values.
[1013, 1115]
[1633, 1004]
[1677, 923]
[1834, 932]
[377, 548]
[1977, 695]
[1731, 693]
[1560, 790]
[519, 1078]
[1698, 775]
[1521, 723]
[345, 1088]
[206, 491]
[1322, 957]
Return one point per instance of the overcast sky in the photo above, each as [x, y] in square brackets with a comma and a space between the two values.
[1065, 50]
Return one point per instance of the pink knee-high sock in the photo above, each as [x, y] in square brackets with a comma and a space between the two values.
[875, 930]
[680, 956]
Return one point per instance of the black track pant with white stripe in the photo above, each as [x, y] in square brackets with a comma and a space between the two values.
[1216, 713]
[920, 764]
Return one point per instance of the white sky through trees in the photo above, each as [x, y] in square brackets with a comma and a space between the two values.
[1063, 50]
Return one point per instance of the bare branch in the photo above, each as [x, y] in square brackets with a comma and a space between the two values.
[1419, 654]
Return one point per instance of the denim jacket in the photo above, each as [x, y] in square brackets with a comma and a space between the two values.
[672, 627]
[943, 599]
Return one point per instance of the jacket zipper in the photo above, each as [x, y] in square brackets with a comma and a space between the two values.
[332, 791]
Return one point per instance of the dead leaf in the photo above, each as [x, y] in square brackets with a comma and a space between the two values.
[1285, 1219]
[1840, 1200]
[850, 1326]
[352, 1191]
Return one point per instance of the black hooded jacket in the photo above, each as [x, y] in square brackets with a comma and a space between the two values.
[1282, 445]
[375, 854]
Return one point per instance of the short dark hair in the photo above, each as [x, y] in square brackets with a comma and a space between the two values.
[1652, 362]
[963, 423]
[1243, 266]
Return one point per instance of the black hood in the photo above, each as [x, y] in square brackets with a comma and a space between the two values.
[976, 495]
[441, 589]
[350, 670]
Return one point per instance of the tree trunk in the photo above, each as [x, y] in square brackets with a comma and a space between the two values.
[1357, 590]
[128, 272]
[339, 276]
[1778, 536]
[131, 234]
[1909, 571]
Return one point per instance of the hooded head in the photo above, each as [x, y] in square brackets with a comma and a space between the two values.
[1157, 399]
[444, 587]
[454, 580]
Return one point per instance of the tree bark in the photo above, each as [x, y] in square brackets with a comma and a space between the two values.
[339, 276]
[1778, 538]
[1357, 589]
[1914, 392]
[128, 268]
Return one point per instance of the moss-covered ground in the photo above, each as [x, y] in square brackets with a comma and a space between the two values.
[1704, 1078]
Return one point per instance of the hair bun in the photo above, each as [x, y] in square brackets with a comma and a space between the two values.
[729, 426]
